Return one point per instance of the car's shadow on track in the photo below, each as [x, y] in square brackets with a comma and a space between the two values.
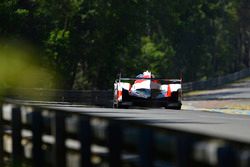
[165, 121]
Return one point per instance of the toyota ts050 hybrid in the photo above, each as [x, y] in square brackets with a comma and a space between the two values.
[146, 90]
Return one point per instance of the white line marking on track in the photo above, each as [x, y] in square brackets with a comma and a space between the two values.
[245, 119]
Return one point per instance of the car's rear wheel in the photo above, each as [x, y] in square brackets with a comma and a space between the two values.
[115, 106]
[178, 107]
[119, 105]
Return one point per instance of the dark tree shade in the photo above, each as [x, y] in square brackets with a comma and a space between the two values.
[88, 42]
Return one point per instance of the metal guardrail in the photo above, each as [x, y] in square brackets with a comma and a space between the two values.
[48, 131]
[102, 98]
[51, 141]
[105, 97]
[216, 82]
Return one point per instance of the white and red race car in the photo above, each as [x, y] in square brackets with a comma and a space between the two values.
[146, 90]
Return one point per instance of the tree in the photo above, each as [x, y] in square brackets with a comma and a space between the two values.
[92, 40]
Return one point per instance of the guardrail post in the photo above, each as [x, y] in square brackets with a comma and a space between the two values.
[184, 151]
[227, 157]
[36, 126]
[146, 147]
[245, 158]
[1, 134]
[85, 136]
[115, 143]
[58, 130]
[17, 151]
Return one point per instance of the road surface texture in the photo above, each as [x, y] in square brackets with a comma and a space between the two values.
[227, 113]
[225, 126]
[204, 113]
[231, 99]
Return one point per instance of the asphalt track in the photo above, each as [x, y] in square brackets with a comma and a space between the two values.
[218, 125]
[233, 127]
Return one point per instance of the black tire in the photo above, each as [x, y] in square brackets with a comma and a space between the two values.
[124, 107]
[178, 107]
[175, 108]
[119, 105]
[115, 106]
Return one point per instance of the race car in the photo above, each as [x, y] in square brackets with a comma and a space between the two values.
[146, 90]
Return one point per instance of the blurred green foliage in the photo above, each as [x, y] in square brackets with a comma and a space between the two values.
[19, 70]
[86, 43]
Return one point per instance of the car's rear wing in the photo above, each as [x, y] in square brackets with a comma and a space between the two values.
[167, 81]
